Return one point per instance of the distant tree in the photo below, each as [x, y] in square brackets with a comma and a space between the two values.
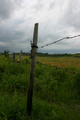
[6, 53]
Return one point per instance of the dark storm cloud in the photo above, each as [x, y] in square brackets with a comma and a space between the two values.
[57, 19]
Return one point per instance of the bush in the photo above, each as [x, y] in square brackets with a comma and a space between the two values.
[76, 83]
[6, 53]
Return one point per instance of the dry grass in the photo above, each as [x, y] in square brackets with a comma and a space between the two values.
[64, 62]
[22, 58]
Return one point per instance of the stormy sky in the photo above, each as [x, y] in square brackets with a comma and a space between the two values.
[57, 19]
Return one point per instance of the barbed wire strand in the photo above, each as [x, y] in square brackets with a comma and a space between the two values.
[54, 102]
[61, 69]
[51, 43]
[58, 41]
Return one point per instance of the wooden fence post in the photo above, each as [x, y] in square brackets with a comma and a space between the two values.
[13, 57]
[33, 61]
[19, 57]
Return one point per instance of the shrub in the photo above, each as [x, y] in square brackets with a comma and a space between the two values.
[6, 53]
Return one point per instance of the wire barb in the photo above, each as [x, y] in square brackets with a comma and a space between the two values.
[59, 40]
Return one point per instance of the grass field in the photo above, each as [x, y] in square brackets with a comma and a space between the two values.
[63, 62]
[55, 90]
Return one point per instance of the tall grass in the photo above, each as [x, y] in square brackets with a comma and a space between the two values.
[54, 90]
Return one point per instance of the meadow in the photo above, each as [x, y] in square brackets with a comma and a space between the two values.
[63, 62]
[56, 93]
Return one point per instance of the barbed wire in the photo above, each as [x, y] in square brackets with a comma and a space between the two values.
[54, 101]
[58, 41]
[49, 44]
[66, 70]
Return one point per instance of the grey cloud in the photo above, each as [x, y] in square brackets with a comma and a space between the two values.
[16, 36]
[59, 51]
[18, 2]
[51, 6]
[17, 32]
[38, 5]
[6, 9]
[71, 15]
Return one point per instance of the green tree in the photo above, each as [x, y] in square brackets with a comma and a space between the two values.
[6, 53]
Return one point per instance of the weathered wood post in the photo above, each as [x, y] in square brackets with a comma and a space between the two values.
[13, 57]
[33, 61]
[19, 57]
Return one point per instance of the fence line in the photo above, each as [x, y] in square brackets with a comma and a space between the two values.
[57, 68]
[51, 99]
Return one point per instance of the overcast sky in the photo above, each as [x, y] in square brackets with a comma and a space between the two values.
[56, 18]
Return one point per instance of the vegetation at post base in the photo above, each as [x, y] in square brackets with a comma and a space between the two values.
[54, 92]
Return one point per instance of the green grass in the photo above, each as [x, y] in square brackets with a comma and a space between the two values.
[50, 84]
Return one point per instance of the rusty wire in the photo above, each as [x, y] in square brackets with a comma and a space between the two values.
[59, 40]
[64, 69]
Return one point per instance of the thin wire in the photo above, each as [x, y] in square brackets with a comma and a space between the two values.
[61, 69]
[54, 101]
[53, 43]
[58, 41]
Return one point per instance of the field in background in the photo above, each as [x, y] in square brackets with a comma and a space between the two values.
[64, 62]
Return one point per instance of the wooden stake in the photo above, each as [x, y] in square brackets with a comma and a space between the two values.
[19, 57]
[33, 61]
[13, 57]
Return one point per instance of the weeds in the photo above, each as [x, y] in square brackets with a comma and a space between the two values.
[50, 84]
